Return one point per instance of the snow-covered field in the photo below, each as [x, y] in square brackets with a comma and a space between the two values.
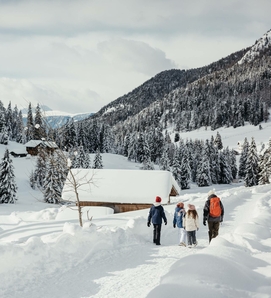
[46, 254]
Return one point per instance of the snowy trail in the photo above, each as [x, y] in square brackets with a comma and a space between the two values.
[98, 267]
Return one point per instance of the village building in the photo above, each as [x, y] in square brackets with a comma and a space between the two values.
[33, 146]
[121, 190]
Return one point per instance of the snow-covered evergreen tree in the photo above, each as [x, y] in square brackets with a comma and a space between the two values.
[132, 145]
[252, 166]
[213, 160]
[225, 167]
[147, 163]
[8, 187]
[98, 162]
[20, 134]
[234, 169]
[203, 177]
[81, 159]
[176, 167]
[185, 171]
[265, 167]
[164, 164]
[41, 168]
[243, 159]
[218, 141]
[9, 121]
[4, 136]
[2, 116]
[29, 130]
[52, 186]
[140, 148]
[39, 126]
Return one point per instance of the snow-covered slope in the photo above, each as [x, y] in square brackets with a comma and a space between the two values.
[261, 44]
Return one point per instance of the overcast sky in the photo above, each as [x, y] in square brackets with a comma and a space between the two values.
[78, 55]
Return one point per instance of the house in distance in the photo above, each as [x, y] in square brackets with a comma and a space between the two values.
[32, 147]
[121, 190]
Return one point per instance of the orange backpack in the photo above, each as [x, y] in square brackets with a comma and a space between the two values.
[215, 208]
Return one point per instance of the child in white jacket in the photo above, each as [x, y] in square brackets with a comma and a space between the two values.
[191, 225]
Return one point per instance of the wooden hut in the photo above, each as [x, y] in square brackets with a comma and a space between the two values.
[32, 147]
[121, 190]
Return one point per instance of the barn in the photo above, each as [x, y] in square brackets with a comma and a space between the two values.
[121, 190]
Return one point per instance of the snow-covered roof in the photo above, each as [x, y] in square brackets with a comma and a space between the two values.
[120, 186]
[35, 143]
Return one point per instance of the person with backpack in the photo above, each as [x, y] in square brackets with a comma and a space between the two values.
[213, 213]
[156, 215]
[179, 214]
[191, 225]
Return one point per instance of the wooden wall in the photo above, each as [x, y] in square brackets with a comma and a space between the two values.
[118, 207]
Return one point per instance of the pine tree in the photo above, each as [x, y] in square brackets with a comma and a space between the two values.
[147, 163]
[140, 148]
[165, 162]
[41, 168]
[9, 121]
[218, 141]
[213, 160]
[20, 134]
[8, 187]
[176, 167]
[203, 177]
[39, 126]
[233, 164]
[52, 186]
[252, 166]
[29, 124]
[132, 147]
[265, 167]
[4, 136]
[243, 159]
[98, 162]
[185, 171]
[2, 116]
[80, 159]
[225, 168]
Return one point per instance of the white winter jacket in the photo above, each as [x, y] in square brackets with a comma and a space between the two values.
[190, 224]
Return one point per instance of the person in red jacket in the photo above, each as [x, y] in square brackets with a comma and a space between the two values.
[156, 215]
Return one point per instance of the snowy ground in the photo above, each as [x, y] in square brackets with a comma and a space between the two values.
[44, 252]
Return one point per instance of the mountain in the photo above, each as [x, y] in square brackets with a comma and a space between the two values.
[158, 87]
[57, 119]
[234, 90]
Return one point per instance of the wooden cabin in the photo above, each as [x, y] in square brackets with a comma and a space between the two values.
[32, 147]
[121, 190]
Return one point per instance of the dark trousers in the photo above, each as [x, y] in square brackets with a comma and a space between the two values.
[156, 233]
[191, 237]
[213, 229]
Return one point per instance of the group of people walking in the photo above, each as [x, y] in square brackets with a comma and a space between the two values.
[187, 222]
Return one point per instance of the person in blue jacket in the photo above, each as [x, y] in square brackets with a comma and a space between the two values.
[156, 215]
[179, 214]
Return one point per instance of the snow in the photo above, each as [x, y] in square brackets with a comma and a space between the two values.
[45, 253]
[260, 45]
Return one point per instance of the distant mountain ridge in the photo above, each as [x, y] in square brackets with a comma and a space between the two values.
[57, 119]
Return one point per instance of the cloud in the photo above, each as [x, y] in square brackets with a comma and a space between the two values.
[95, 51]
[23, 92]
[133, 55]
